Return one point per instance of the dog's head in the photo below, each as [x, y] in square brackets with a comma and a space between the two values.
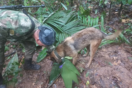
[51, 53]
[53, 56]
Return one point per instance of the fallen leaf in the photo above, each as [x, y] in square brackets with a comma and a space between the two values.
[125, 20]
[117, 62]
[87, 83]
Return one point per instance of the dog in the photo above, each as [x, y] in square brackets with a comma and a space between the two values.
[89, 38]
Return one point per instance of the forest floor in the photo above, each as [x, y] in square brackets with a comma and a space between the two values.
[111, 68]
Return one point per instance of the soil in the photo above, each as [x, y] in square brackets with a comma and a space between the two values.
[111, 68]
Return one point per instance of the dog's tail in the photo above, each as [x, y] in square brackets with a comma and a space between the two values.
[113, 36]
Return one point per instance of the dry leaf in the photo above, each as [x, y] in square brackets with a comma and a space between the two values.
[125, 20]
[116, 62]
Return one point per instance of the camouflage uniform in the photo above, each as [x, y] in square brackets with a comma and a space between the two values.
[14, 27]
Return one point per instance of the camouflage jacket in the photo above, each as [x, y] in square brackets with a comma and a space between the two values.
[14, 24]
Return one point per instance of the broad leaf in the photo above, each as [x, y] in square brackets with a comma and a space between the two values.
[124, 39]
[42, 55]
[12, 70]
[69, 73]
[64, 24]
[71, 24]
[129, 1]
[105, 42]
[70, 66]
[55, 73]
[67, 57]
[102, 24]
[13, 64]
[64, 6]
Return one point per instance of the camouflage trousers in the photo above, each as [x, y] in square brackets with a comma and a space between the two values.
[29, 46]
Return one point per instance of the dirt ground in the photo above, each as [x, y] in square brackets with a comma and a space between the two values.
[111, 68]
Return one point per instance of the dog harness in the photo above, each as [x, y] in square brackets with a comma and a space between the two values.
[59, 57]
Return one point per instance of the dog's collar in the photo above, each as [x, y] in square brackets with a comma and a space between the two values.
[59, 57]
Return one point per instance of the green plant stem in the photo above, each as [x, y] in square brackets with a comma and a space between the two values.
[53, 82]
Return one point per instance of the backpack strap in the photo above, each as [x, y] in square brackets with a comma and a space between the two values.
[32, 22]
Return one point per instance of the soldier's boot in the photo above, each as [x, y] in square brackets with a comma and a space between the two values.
[28, 65]
[2, 85]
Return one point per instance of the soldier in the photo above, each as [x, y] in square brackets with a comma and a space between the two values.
[19, 27]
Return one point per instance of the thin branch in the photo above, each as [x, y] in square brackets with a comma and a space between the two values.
[119, 13]
[110, 10]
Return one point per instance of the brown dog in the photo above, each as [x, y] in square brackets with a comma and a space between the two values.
[89, 38]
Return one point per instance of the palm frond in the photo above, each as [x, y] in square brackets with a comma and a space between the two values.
[64, 23]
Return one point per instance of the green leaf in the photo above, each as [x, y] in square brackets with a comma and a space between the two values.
[6, 48]
[75, 29]
[87, 74]
[86, 12]
[129, 2]
[42, 55]
[69, 17]
[70, 25]
[91, 23]
[64, 24]
[87, 83]
[67, 57]
[129, 57]
[96, 11]
[55, 73]
[124, 2]
[12, 66]
[89, 20]
[102, 24]
[85, 20]
[105, 42]
[64, 6]
[94, 21]
[97, 20]
[68, 77]
[25, 3]
[59, 29]
[123, 38]
[61, 37]
[69, 73]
